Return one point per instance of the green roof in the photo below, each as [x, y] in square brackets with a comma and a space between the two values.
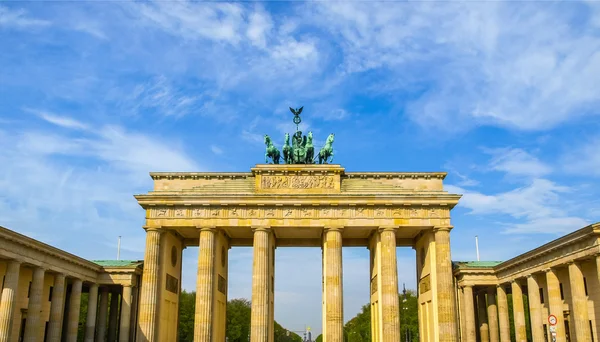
[476, 264]
[118, 263]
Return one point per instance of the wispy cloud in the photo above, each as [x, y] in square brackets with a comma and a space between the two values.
[515, 161]
[539, 205]
[62, 121]
[18, 19]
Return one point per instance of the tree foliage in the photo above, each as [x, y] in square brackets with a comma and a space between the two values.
[358, 329]
[238, 321]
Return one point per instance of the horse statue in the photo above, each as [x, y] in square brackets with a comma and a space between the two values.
[310, 149]
[327, 151]
[287, 150]
[271, 151]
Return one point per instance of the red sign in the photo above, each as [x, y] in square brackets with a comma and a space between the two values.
[552, 320]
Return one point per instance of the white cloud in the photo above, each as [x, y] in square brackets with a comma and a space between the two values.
[58, 120]
[77, 189]
[539, 207]
[217, 21]
[259, 26]
[12, 18]
[516, 161]
[524, 66]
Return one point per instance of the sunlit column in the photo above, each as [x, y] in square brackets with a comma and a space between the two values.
[390, 305]
[470, 334]
[260, 313]
[503, 320]
[518, 312]
[90, 322]
[125, 314]
[148, 308]
[9, 299]
[57, 308]
[34, 308]
[492, 313]
[74, 308]
[555, 303]
[445, 289]
[579, 304]
[333, 285]
[535, 308]
[205, 285]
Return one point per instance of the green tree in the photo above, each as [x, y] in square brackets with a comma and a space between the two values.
[187, 305]
[358, 329]
[238, 320]
[319, 338]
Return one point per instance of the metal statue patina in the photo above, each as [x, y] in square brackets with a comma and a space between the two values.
[272, 151]
[327, 150]
[301, 150]
[287, 150]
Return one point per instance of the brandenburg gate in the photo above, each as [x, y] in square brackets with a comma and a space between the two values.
[297, 203]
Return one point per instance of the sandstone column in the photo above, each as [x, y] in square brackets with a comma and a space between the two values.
[34, 308]
[147, 319]
[9, 299]
[469, 313]
[518, 312]
[445, 289]
[535, 308]
[484, 330]
[503, 320]
[57, 308]
[461, 307]
[492, 313]
[102, 314]
[205, 285]
[90, 322]
[390, 303]
[74, 307]
[125, 314]
[260, 315]
[333, 286]
[579, 304]
[113, 315]
[555, 303]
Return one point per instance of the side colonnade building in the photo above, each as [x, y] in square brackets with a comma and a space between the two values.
[41, 294]
[553, 290]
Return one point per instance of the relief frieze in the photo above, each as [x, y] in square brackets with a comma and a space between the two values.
[303, 212]
[297, 182]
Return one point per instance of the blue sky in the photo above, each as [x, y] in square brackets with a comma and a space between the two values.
[502, 96]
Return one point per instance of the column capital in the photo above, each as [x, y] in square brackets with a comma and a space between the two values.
[529, 276]
[388, 229]
[333, 228]
[255, 229]
[14, 262]
[207, 228]
[442, 228]
[159, 229]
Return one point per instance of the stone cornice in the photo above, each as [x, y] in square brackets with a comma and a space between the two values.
[29, 243]
[404, 200]
[301, 169]
[563, 243]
